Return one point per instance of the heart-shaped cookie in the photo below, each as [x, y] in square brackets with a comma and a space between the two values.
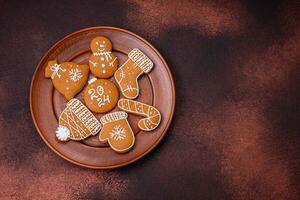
[68, 78]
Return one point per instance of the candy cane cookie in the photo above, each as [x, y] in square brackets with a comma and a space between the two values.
[152, 115]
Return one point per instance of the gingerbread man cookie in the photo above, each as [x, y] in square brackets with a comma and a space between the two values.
[117, 132]
[76, 122]
[127, 75]
[103, 63]
[68, 78]
[100, 95]
[152, 115]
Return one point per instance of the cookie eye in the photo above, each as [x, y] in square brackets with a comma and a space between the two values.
[97, 43]
[103, 42]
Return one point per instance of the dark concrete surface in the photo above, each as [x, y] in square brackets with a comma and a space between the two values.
[235, 134]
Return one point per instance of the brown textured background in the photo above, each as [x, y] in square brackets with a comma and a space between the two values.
[235, 134]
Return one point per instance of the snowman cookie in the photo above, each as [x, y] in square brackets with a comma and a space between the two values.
[103, 63]
[100, 95]
[68, 78]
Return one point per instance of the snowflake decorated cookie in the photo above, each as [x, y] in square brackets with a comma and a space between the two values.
[103, 63]
[127, 75]
[151, 114]
[68, 78]
[117, 132]
[76, 122]
[100, 95]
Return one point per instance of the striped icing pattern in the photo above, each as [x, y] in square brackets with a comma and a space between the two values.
[141, 60]
[85, 116]
[113, 117]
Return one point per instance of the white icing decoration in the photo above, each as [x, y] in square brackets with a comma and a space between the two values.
[112, 63]
[130, 88]
[84, 118]
[75, 74]
[92, 80]
[63, 133]
[92, 94]
[108, 58]
[141, 60]
[115, 115]
[122, 74]
[106, 54]
[118, 133]
[98, 94]
[103, 100]
[100, 90]
[93, 63]
[55, 68]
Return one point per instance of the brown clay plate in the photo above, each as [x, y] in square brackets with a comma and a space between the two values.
[156, 88]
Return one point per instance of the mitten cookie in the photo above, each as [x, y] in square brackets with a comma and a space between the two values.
[128, 74]
[100, 95]
[68, 78]
[117, 131]
[103, 63]
[76, 122]
[152, 115]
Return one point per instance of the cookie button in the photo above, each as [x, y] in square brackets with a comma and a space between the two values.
[100, 95]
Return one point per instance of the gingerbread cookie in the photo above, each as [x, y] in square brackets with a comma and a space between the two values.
[152, 115]
[128, 74]
[68, 78]
[117, 131]
[100, 95]
[76, 122]
[103, 63]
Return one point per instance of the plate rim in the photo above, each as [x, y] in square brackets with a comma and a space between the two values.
[142, 154]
